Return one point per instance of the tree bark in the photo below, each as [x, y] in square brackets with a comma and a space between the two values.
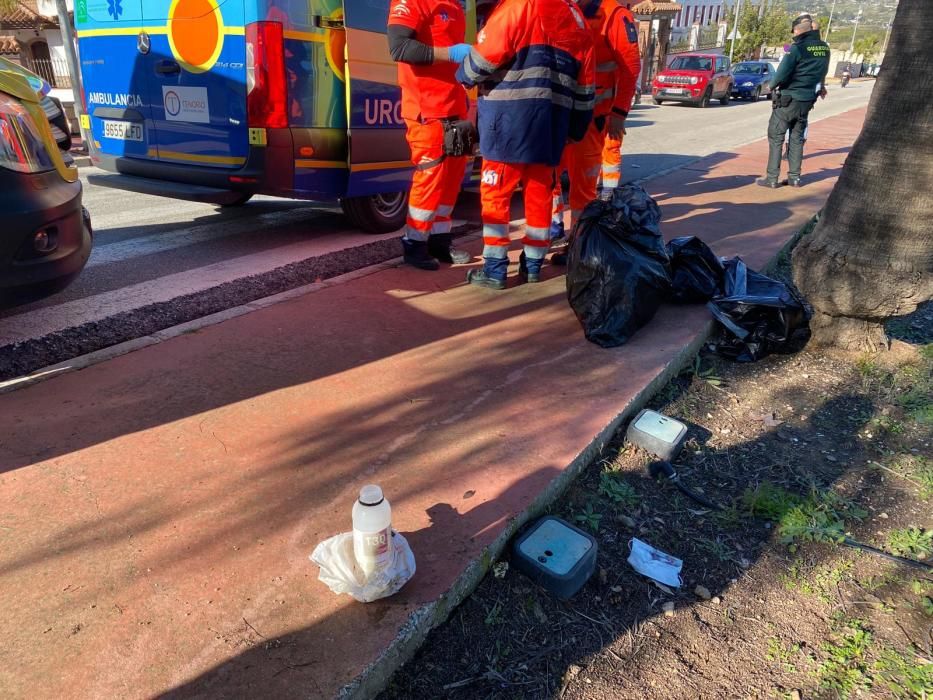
[870, 256]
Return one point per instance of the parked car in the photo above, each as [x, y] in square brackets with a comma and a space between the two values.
[45, 240]
[752, 79]
[52, 106]
[695, 78]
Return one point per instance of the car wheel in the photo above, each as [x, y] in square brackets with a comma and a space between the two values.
[378, 213]
[757, 95]
[704, 101]
[656, 101]
[238, 202]
[724, 100]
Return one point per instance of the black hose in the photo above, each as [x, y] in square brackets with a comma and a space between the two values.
[848, 541]
[666, 469]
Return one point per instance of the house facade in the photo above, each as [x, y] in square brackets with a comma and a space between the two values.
[702, 12]
[32, 38]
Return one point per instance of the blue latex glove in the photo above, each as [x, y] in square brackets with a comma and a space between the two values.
[458, 52]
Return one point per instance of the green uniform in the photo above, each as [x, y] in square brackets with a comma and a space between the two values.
[803, 69]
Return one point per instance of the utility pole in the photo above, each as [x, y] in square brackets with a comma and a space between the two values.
[71, 58]
[887, 33]
[851, 43]
[829, 24]
[735, 28]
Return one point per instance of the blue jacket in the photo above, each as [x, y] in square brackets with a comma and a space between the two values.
[534, 67]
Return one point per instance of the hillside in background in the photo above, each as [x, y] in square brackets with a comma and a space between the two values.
[874, 13]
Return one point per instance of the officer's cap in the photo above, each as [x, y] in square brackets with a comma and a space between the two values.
[804, 17]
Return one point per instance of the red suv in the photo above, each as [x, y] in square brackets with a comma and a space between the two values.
[696, 78]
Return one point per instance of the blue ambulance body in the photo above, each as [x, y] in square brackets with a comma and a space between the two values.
[217, 100]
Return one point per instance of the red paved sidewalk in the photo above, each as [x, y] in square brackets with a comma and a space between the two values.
[158, 509]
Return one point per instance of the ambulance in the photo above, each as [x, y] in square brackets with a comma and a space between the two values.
[218, 100]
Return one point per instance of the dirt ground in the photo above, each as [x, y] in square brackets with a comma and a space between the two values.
[800, 451]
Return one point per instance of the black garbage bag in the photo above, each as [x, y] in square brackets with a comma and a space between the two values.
[618, 272]
[759, 315]
[696, 272]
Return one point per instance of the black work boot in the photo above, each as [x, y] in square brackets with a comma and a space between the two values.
[793, 182]
[529, 273]
[481, 279]
[440, 246]
[765, 182]
[415, 253]
[492, 275]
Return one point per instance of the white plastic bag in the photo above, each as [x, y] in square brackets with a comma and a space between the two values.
[340, 572]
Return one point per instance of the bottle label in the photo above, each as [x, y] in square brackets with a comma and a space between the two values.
[376, 544]
[372, 549]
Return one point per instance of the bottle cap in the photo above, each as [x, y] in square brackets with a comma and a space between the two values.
[371, 495]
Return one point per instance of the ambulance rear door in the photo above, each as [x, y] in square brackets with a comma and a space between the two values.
[378, 154]
[198, 79]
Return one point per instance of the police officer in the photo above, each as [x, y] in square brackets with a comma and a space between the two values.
[426, 40]
[803, 68]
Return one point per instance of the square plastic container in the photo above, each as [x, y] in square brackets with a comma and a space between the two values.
[655, 432]
[556, 555]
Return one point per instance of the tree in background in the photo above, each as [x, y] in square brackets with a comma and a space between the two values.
[870, 257]
[759, 27]
[869, 43]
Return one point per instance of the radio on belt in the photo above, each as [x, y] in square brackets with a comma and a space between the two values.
[657, 433]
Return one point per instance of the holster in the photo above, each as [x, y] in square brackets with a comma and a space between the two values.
[779, 100]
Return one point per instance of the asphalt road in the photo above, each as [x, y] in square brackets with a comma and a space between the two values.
[158, 262]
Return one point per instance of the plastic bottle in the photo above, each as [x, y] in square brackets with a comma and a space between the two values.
[372, 530]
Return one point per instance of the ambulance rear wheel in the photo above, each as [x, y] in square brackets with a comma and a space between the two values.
[377, 213]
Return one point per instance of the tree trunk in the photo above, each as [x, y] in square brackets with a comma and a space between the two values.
[871, 255]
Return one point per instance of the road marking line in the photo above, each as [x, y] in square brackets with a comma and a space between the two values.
[129, 248]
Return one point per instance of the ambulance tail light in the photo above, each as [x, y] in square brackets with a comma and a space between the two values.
[266, 91]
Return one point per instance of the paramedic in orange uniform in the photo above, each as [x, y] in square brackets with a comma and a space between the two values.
[533, 65]
[615, 40]
[425, 39]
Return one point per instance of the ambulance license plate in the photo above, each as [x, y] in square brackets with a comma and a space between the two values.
[123, 131]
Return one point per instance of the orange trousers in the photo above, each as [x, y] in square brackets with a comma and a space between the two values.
[612, 162]
[581, 160]
[436, 182]
[499, 182]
